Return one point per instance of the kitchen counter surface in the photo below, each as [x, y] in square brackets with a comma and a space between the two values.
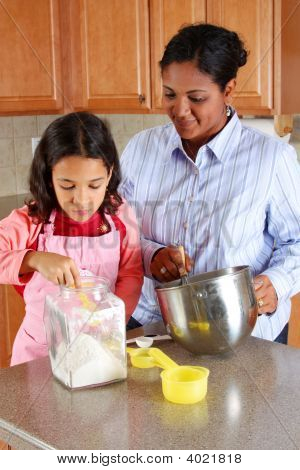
[252, 403]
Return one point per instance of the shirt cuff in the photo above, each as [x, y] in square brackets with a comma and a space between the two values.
[149, 248]
[280, 281]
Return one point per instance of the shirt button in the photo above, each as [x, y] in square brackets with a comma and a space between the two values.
[191, 198]
[196, 171]
[185, 225]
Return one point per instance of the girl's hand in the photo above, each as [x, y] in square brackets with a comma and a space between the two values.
[56, 268]
[265, 294]
[167, 264]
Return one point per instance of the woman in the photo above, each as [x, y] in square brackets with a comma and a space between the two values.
[226, 192]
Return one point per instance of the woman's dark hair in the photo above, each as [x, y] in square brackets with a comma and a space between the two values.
[75, 134]
[216, 51]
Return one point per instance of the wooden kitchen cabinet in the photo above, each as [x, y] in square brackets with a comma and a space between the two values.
[166, 17]
[253, 21]
[267, 84]
[12, 310]
[294, 323]
[30, 57]
[102, 56]
[251, 18]
[287, 56]
[110, 55]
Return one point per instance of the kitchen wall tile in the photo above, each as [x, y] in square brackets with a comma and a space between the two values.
[23, 151]
[44, 121]
[16, 133]
[25, 126]
[102, 116]
[121, 142]
[7, 157]
[152, 120]
[125, 123]
[116, 124]
[132, 123]
[22, 174]
[6, 127]
[8, 181]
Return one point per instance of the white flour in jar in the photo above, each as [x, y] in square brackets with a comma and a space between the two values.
[86, 363]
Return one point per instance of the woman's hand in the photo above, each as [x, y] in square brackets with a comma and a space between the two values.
[265, 294]
[167, 264]
[56, 268]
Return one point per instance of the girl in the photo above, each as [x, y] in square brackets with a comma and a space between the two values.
[75, 223]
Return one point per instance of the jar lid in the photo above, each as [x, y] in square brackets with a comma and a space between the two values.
[88, 284]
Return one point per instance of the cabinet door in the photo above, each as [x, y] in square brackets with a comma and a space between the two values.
[12, 310]
[253, 21]
[287, 56]
[30, 56]
[110, 55]
[166, 18]
[294, 322]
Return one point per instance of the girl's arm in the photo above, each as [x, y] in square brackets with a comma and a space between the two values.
[130, 277]
[17, 235]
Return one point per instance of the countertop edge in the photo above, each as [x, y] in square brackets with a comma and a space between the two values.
[23, 436]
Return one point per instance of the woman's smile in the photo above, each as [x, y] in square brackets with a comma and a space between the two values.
[184, 123]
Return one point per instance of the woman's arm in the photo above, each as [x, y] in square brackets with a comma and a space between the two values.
[284, 225]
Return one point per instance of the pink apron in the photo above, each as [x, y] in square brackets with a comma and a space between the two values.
[97, 255]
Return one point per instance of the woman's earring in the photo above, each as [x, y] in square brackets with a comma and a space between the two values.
[228, 111]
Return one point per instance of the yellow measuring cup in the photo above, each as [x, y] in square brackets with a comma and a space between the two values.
[180, 384]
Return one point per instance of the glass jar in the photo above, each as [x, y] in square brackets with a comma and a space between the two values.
[86, 334]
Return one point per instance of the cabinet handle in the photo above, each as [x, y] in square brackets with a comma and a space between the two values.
[142, 99]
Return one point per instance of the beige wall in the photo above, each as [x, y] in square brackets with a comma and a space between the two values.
[16, 151]
[16, 133]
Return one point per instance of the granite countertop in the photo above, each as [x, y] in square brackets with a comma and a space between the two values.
[251, 403]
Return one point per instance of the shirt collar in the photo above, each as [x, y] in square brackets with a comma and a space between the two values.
[219, 144]
[173, 144]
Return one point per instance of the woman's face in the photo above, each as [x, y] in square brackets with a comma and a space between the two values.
[80, 184]
[194, 102]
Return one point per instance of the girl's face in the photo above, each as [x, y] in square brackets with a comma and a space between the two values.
[80, 184]
[194, 102]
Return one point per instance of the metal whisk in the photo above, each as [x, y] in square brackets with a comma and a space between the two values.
[184, 276]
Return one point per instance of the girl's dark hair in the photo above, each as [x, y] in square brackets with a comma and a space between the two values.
[75, 134]
[216, 51]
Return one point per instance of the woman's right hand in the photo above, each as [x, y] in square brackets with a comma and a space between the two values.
[167, 264]
[56, 268]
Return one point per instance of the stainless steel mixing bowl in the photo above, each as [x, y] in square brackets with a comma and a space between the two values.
[211, 314]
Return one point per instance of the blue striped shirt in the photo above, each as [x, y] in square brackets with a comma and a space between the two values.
[231, 207]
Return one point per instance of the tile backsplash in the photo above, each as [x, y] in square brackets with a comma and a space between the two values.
[16, 148]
